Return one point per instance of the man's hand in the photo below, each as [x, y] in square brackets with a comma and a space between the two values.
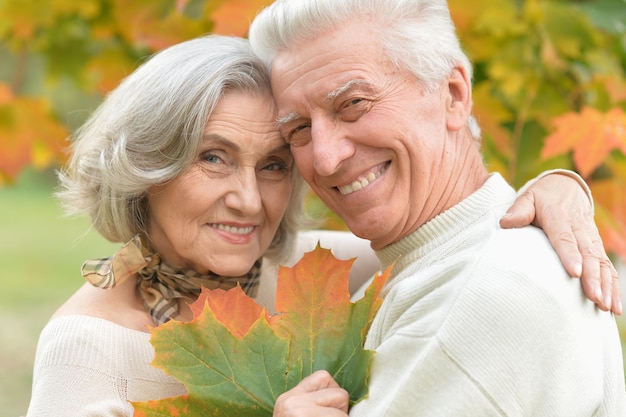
[317, 395]
[558, 205]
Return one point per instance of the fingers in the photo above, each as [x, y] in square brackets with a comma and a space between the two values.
[576, 248]
[581, 251]
[317, 395]
[609, 281]
[568, 247]
[595, 280]
[599, 275]
[521, 213]
[616, 307]
[555, 203]
[316, 404]
[558, 205]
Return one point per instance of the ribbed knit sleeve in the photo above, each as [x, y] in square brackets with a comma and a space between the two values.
[87, 366]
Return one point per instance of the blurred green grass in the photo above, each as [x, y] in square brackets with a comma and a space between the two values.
[40, 256]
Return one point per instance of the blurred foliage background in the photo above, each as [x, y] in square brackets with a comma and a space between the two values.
[549, 91]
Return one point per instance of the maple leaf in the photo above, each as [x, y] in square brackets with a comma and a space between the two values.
[156, 24]
[23, 142]
[234, 17]
[610, 205]
[590, 134]
[235, 359]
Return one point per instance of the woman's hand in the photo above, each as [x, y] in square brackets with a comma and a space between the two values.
[317, 395]
[559, 205]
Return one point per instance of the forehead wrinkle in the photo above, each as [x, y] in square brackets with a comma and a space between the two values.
[213, 137]
[342, 89]
[220, 140]
[284, 147]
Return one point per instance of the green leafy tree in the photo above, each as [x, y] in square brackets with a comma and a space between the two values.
[550, 80]
[550, 91]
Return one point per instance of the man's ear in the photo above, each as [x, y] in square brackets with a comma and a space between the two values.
[459, 99]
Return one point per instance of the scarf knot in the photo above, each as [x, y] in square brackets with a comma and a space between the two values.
[161, 285]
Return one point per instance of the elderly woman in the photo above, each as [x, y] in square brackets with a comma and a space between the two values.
[183, 163]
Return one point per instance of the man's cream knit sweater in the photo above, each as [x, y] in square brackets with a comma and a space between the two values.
[481, 321]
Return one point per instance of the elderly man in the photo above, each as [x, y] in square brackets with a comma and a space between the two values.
[374, 97]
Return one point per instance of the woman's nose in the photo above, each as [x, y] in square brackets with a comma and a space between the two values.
[244, 195]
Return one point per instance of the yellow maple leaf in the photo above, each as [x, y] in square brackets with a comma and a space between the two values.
[591, 135]
[23, 142]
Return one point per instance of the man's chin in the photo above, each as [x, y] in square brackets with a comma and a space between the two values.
[366, 229]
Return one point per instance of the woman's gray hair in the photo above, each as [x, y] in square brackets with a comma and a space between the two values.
[417, 35]
[148, 130]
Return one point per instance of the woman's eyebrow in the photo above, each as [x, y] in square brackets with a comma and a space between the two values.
[280, 148]
[221, 140]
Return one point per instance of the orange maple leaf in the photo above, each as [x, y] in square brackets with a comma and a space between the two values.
[23, 142]
[610, 203]
[590, 134]
[235, 359]
[6, 95]
[235, 310]
[233, 17]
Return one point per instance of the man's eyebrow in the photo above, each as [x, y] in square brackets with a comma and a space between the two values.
[329, 97]
[339, 91]
[289, 118]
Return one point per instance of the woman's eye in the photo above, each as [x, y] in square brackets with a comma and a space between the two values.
[212, 158]
[275, 169]
[276, 166]
[215, 161]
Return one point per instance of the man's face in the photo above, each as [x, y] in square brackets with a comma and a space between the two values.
[366, 137]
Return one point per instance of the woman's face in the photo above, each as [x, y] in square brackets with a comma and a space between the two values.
[223, 211]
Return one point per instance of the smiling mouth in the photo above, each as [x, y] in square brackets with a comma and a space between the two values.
[232, 229]
[363, 182]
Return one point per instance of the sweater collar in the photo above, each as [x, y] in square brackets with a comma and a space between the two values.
[446, 224]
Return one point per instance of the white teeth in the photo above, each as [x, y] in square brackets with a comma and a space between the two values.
[360, 183]
[234, 230]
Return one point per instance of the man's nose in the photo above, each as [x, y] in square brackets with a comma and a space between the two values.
[331, 146]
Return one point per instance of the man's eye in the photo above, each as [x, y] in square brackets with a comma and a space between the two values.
[354, 108]
[300, 135]
[301, 127]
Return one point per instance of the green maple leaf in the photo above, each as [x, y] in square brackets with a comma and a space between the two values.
[235, 359]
